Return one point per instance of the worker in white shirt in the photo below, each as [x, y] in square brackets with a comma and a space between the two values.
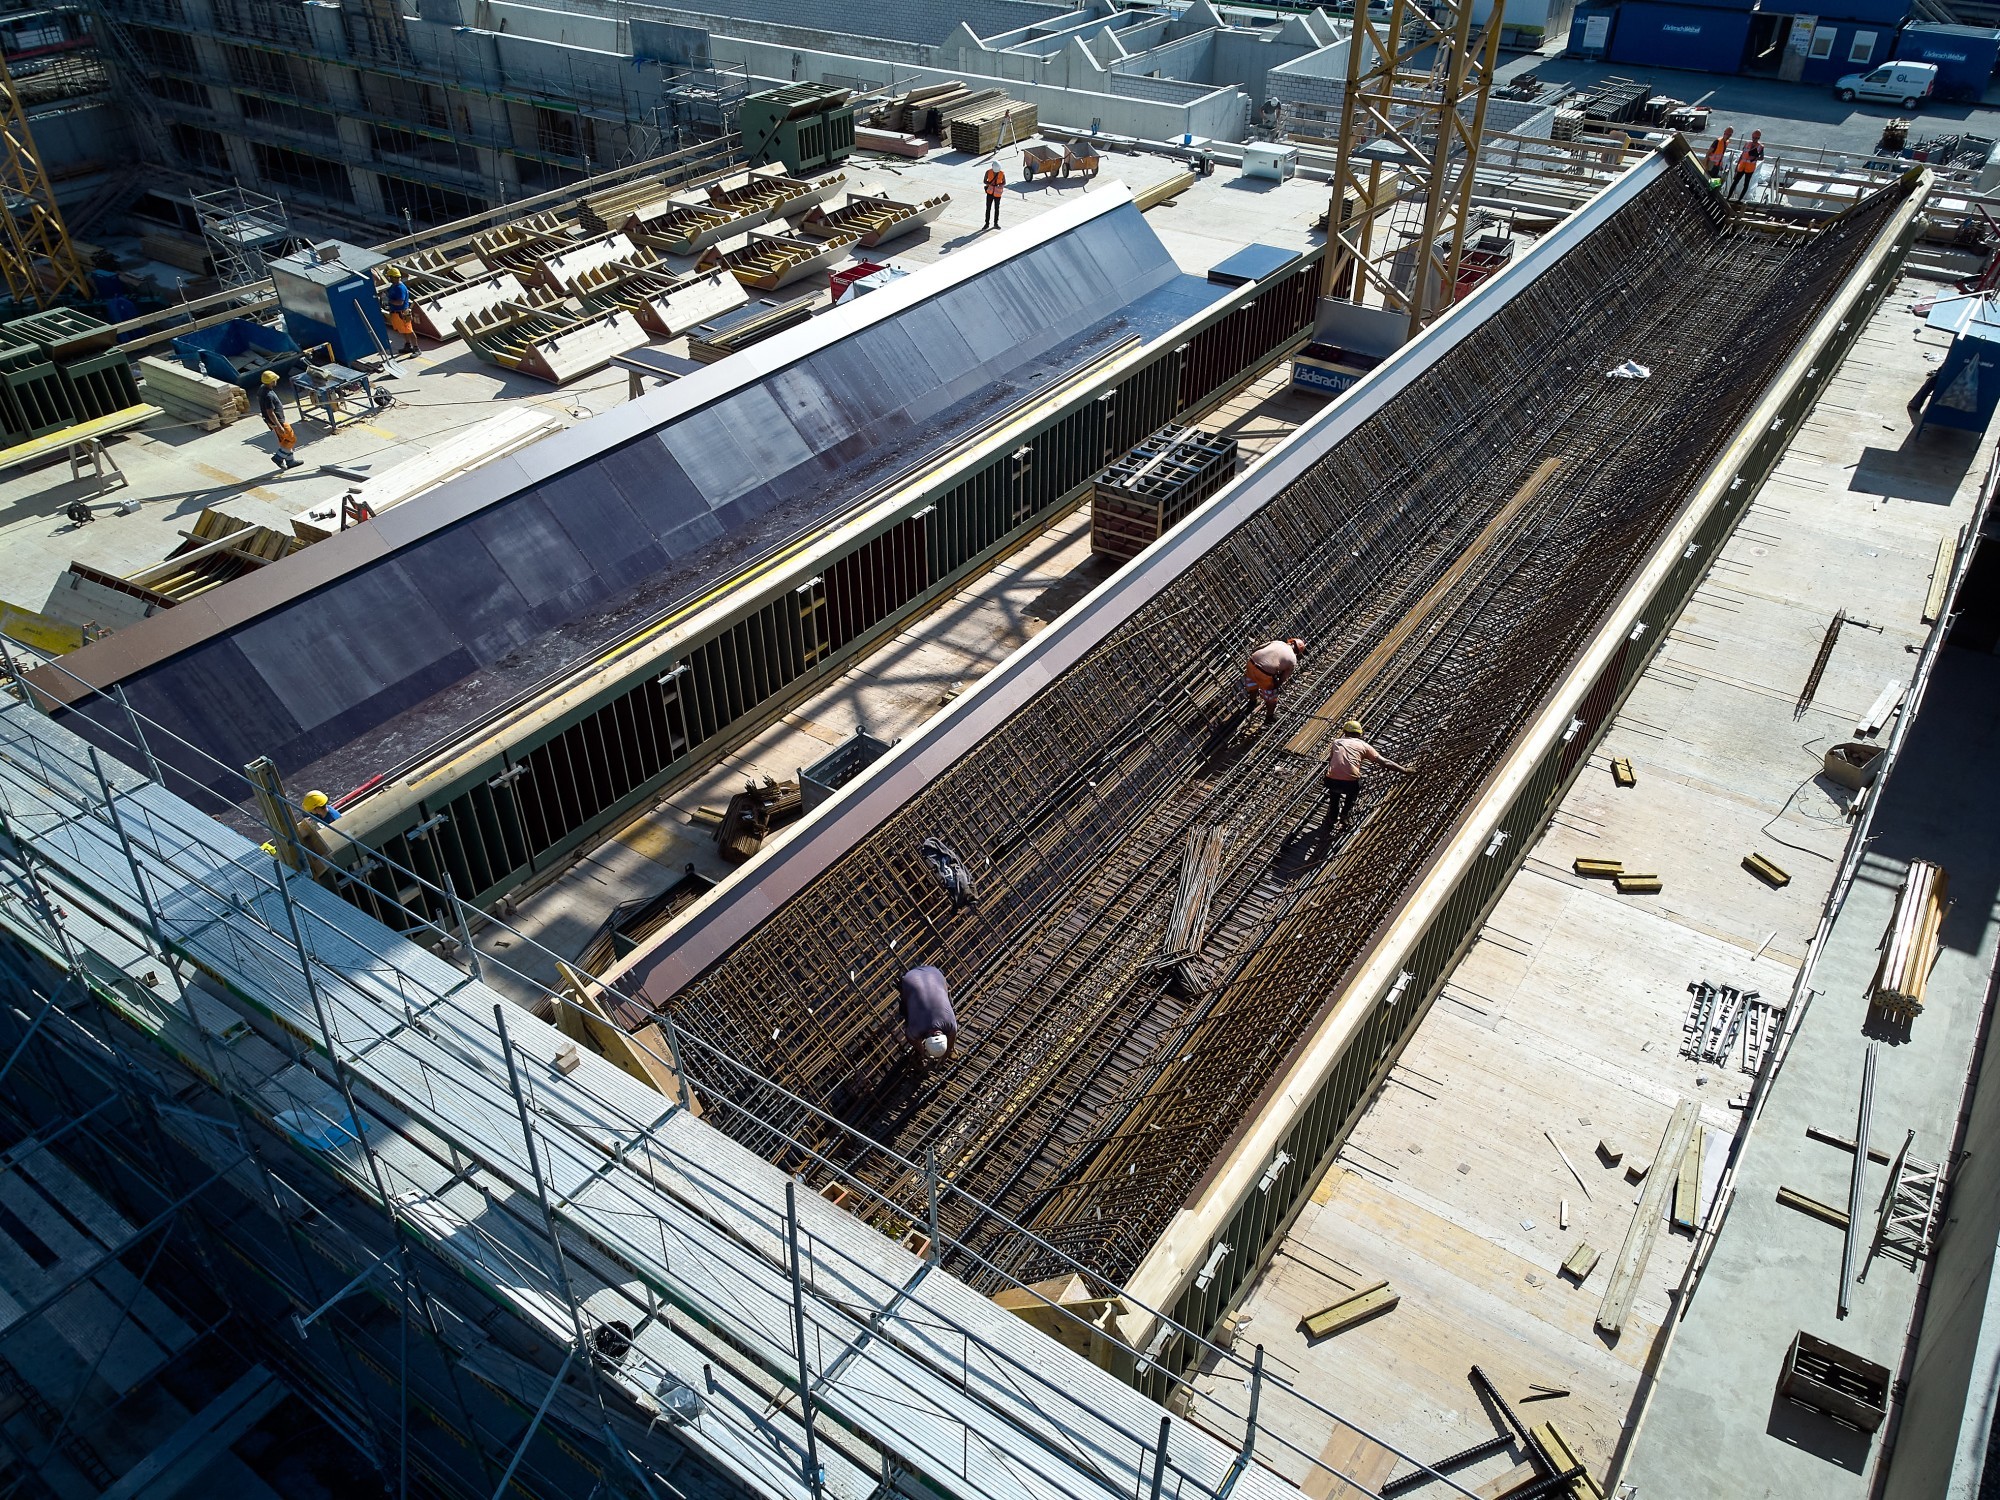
[1343, 771]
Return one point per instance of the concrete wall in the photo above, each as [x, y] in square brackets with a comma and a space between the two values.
[1947, 1417]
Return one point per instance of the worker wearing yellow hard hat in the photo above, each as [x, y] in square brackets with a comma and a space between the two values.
[271, 407]
[316, 805]
[1343, 771]
[396, 307]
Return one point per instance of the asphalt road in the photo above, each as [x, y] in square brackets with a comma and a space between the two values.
[1789, 114]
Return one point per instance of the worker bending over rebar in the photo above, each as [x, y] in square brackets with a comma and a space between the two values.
[1343, 771]
[1270, 667]
[930, 1025]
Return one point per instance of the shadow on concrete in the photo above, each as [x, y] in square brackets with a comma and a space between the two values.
[1812, 1432]
[1926, 468]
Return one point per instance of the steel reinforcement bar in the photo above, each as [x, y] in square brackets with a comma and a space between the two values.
[1486, 521]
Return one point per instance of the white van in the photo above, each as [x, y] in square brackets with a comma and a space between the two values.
[1904, 83]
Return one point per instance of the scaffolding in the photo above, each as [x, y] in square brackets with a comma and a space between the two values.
[244, 232]
[528, 1261]
[1414, 106]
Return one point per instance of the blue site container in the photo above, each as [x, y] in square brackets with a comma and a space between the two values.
[1681, 36]
[239, 352]
[1967, 387]
[1590, 31]
[1965, 56]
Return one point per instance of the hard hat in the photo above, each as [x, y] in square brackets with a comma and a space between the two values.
[393, 274]
[1352, 726]
[270, 377]
[314, 802]
[935, 1045]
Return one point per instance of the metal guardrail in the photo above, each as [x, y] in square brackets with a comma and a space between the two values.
[421, 998]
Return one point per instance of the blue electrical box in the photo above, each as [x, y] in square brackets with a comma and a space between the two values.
[328, 297]
[1968, 382]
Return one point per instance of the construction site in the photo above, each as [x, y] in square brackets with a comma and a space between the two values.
[526, 636]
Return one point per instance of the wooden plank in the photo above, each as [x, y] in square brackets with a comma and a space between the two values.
[1563, 1454]
[1766, 871]
[1364, 1462]
[57, 442]
[1638, 1247]
[1581, 1261]
[1687, 1185]
[1825, 1212]
[1366, 1302]
[1306, 741]
[1828, 1138]
[1622, 772]
[1598, 869]
[1636, 885]
[1878, 711]
[1947, 554]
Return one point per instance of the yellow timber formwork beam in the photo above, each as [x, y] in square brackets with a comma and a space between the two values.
[37, 259]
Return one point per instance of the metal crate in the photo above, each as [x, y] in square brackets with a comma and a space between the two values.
[1142, 496]
[33, 398]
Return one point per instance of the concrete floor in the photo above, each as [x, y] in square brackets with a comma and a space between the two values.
[1562, 1027]
[1715, 1418]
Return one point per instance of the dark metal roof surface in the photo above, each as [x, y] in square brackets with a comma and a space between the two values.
[366, 651]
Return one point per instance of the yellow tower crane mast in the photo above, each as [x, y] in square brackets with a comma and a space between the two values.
[1410, 121]
[38, 260]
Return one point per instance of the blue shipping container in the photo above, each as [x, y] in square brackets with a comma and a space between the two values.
[1590, 31]
[1965, 56]
[1677, 36]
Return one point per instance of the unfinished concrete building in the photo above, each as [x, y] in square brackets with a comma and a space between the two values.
[379, 112]
[747, 1245]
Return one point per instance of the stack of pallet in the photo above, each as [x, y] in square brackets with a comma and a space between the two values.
[981, 130]
[1910, 946]
[189, 396]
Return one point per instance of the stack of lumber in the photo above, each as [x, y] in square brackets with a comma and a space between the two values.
[459, 453]
[189, 396]
[175, 250]
[723, 336]
[981, 131]
[915, 111]
[1910, 945]
[891, 142]
[600, 213]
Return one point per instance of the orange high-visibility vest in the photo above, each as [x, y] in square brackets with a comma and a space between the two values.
[1749, 156]
[995, 181]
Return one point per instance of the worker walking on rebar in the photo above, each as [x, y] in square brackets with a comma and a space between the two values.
[930, 1025]
[1270, 667]
[271, 407]
[996, 184]
[1747, 162]
[1718, 156]
[396, 308]
[1343, 771]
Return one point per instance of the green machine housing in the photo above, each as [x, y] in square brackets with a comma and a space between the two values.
[804, 125]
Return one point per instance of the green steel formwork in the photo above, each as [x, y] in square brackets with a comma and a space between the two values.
[33, 398]
[1258, 1224]
[62, 333]
[805, 126]
[100, 384]
[509, 817]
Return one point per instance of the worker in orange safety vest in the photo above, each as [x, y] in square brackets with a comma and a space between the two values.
[1718, 156]
[996, 181]
[1747, 162]
[1270, 667]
